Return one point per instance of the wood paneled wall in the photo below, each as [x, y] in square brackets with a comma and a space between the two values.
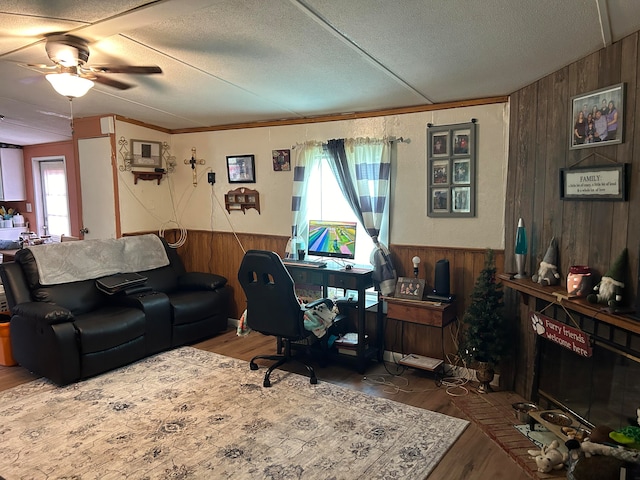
[221, 253]
[589, 233]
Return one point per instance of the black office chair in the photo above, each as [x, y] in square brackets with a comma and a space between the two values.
[273, 308]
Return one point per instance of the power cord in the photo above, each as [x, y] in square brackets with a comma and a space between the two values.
[228, 217]
[391, 387]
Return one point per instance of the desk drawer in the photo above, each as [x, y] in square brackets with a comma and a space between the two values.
[338, 280]
[300, 275]
[422, 314]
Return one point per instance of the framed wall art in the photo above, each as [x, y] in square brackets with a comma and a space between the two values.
[451, 165]
[281, 160]
[146, 154]
[241, 169]
[597, 118]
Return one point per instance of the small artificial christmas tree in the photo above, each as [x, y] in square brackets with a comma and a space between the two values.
[485, 335]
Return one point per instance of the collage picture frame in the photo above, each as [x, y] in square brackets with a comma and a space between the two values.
[451, 166]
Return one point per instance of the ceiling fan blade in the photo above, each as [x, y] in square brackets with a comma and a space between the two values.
[110, 82]
[39, 66]
[137, 70]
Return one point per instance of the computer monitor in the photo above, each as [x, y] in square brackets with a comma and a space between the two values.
[332, 239]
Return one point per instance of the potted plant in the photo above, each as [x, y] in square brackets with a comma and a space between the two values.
[485, 331]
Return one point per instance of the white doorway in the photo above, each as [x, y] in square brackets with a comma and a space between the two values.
[51, 196]
[96, 184]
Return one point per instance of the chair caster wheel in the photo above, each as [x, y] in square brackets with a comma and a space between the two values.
[313, 380]
[253, 366]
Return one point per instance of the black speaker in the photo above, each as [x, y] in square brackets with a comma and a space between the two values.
[441, 286]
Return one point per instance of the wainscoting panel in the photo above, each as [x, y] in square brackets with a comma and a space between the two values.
[221, 253]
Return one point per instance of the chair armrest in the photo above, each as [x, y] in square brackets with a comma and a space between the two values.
[201, 281]
[49, 313]
[327, 301]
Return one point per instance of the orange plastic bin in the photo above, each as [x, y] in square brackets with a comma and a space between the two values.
[6, 355]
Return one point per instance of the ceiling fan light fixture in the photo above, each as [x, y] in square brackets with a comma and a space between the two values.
[69, 85]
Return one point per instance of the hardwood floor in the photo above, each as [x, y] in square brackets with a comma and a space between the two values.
[473, 457]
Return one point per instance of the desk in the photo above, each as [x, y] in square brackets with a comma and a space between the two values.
[421, 312]
[358, 279]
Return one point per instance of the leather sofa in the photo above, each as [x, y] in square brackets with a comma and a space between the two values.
[73, 330]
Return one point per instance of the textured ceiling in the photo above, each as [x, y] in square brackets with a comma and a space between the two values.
[232, 61]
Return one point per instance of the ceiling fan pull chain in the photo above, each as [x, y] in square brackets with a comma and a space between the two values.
[71, 109]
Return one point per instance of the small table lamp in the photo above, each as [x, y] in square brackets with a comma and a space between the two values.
[416, 264]
[521, 249]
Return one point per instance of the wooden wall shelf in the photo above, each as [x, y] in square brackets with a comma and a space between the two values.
[556, 294]
[138, 175]
[242, 199]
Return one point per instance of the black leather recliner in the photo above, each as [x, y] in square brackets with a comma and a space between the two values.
[70, 331]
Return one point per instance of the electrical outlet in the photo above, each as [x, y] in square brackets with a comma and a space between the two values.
[211, 177]
[29, 208]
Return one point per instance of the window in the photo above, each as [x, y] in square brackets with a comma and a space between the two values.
[326, 202]
[52, 204]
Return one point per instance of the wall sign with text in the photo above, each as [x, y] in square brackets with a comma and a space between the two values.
[607, 182]
[564, 335]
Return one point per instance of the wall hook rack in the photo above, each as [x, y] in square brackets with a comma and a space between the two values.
[241, 199]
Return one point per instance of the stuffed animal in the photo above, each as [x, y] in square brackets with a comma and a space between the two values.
[628, 436]
[549, 457]
[611, 287]
[548, 270]
[598, 467]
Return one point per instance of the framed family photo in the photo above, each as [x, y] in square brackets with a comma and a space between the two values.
[409, 288]
[241, 169]
[440, 172]
[451, 160]
[440, 144]
[597, 118]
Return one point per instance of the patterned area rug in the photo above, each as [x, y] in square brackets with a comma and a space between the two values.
[191, 414]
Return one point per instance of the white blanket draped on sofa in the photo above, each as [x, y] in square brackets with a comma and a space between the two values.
[89, 259]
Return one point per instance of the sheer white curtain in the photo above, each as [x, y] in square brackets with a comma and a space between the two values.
[306, 158]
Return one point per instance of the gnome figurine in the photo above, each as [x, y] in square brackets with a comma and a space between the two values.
[548, 270]
[609, 290]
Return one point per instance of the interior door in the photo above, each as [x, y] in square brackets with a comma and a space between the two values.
[96, 185]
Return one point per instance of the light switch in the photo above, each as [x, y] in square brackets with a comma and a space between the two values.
[29, 208]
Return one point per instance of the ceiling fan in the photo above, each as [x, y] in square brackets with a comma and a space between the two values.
[72, 77]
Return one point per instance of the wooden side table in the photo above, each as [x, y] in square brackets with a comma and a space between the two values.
[431, 314]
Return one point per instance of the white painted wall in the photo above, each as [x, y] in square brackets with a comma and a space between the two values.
[146, 206]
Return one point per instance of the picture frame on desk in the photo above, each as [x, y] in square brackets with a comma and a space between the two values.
[410, 288]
